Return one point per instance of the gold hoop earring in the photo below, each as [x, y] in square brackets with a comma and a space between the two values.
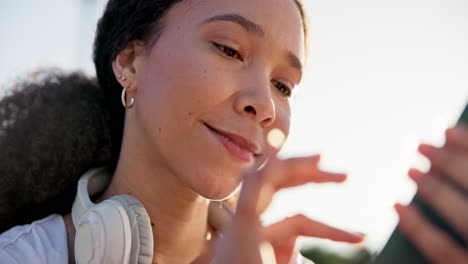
[124, 99]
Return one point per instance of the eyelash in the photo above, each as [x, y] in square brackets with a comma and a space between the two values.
[229, 52]
[284, 89]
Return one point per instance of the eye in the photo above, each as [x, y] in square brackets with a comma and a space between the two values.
[283, 88]
[229, 52]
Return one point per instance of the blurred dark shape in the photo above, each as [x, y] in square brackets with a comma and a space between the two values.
[328, 256]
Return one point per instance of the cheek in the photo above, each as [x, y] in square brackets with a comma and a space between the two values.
[283, 119]
[177, 91]
[183, 81]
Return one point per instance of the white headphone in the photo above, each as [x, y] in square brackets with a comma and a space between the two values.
[117, 230]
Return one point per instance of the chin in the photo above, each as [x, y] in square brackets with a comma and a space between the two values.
[221, 193]
[216, 186]
[224, 194]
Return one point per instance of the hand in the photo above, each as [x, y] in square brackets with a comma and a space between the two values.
[245, 235]
[444, 188]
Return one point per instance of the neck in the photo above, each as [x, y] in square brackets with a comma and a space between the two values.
[178, 215]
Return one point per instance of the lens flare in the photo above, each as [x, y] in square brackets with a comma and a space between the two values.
[276, 138]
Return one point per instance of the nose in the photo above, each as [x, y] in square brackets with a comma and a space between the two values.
[256, 102]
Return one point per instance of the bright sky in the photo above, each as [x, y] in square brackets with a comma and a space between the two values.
[382, 77]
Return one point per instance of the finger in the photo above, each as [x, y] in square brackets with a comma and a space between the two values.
[299, 171]
[432, 242]
[449, 163]
[248, 205]
[278, 174]
[288, 230]
[259, 187]
[442, 196]
[285, 252]
[240, 242]
[457, 137]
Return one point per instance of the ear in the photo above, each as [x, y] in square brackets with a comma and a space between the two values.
[127, 64]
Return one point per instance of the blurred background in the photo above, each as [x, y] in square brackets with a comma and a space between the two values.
[382, 77]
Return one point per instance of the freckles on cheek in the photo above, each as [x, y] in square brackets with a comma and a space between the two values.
[188, 77]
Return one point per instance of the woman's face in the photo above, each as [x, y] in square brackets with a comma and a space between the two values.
[216, 81]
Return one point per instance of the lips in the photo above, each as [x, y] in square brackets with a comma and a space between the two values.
[236, 145]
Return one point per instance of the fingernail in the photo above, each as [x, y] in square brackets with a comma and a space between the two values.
[355, 237]
[415, 175]
[337, 176]
[341, 177]
[426, 150]
[359, 235]
[358, 238]
[400, 209]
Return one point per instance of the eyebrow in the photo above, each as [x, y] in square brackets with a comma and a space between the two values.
[294, 61]
[256, 29]
[248, 25]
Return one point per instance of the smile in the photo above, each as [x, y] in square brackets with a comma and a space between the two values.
[239, 147]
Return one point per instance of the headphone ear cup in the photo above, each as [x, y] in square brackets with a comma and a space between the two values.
[103, 234]
[141, 230]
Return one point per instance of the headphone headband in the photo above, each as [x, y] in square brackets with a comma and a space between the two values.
[82, 203]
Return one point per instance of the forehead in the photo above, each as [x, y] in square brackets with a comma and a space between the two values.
[280, 19]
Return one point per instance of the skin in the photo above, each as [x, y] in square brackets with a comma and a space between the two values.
[170, 159]
[185, 82]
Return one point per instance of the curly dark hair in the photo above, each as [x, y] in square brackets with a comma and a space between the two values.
[54, 126]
